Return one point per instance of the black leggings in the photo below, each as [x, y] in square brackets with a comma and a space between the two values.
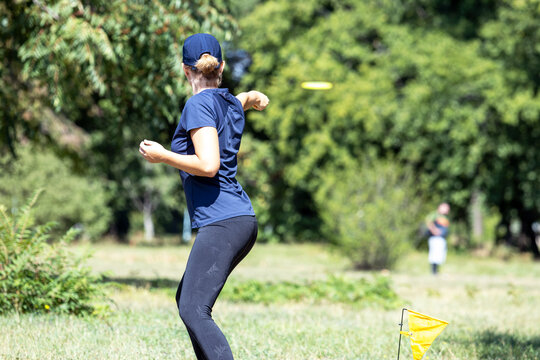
[218, 248]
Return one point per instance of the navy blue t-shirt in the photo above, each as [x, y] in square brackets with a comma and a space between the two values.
[220, 197]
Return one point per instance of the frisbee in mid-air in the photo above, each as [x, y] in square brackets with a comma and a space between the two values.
[317, 85]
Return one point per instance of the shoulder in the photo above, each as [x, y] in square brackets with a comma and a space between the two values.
[199, 111]
[233, 100]
[443, 220]
[236, 101]
[203, 99]
[431, 216]
[201, 104]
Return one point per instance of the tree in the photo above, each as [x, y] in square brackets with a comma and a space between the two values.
[158, 186]
[109, 69]
[413, 94]
[514, 157]
[69, 199]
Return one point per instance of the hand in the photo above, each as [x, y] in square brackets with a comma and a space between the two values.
[152, 151]
[261, 100]
[434, 230]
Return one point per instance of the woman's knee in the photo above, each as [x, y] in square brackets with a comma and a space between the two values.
[192, 313]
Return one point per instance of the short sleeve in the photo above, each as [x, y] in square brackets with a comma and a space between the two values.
[198, 113]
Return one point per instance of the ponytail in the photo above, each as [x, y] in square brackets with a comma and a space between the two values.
[208, 66]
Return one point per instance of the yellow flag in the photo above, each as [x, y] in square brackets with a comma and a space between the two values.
[423, 330]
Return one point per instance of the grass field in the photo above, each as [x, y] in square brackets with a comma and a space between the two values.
[492, 307]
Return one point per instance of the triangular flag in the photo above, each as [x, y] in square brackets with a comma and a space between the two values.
[423, 330]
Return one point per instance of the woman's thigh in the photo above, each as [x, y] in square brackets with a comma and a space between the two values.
[217, 249]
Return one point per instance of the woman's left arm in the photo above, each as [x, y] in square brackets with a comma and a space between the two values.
[253, 99]
[205, 161]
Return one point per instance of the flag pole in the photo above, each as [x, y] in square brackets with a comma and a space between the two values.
[400, 328]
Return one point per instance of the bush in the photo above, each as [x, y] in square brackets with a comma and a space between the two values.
[370, 213]
[69, 198]
[36, 276]
[359, 292]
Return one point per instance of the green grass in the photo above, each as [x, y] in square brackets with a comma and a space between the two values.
[492, 307]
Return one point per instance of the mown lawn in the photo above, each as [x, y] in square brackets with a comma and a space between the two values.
[492, 307]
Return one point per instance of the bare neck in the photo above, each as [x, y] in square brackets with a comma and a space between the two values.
[199, 86]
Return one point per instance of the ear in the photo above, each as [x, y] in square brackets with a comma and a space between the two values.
[186, 70]
[222, 67]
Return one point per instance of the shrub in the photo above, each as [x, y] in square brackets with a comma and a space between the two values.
[69, 198]
[361, 292]
[36, 276]
[370, 213]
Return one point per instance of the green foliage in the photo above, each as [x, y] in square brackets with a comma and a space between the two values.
[458, 109]
[276, 218]
[68, 198]
[490, 219]
[107, 73]
[371, 213]
[512, 37]
[360, 292]
[155, 194]
[38, 277]
[146, 327]
[514, 155]
[449, 88]
[460, 18]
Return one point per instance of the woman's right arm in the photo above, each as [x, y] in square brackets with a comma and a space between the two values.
[253, 99]
[205, 161]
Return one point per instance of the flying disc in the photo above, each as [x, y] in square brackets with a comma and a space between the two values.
[317, 85]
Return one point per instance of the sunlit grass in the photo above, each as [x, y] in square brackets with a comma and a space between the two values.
[264, 262]
[492, 307]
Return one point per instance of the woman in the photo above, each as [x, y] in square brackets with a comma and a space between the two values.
[204, 149]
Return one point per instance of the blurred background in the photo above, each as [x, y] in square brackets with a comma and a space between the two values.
[432, 101]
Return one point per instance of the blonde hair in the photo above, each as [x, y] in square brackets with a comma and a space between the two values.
[208, 66]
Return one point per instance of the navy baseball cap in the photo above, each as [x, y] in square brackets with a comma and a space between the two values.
[199, 44]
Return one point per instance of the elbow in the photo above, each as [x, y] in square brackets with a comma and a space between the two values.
[211, 174]
[210, 170]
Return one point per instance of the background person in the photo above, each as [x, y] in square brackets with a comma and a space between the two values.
[204, 149]
[438, 224]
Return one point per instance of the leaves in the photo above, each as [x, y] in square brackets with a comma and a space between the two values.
[107, 73]
[334, 289]
[68, 198]
[38, 277]
[441, 101]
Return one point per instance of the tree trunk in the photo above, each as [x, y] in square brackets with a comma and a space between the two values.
[477, 219]
[147, 217]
